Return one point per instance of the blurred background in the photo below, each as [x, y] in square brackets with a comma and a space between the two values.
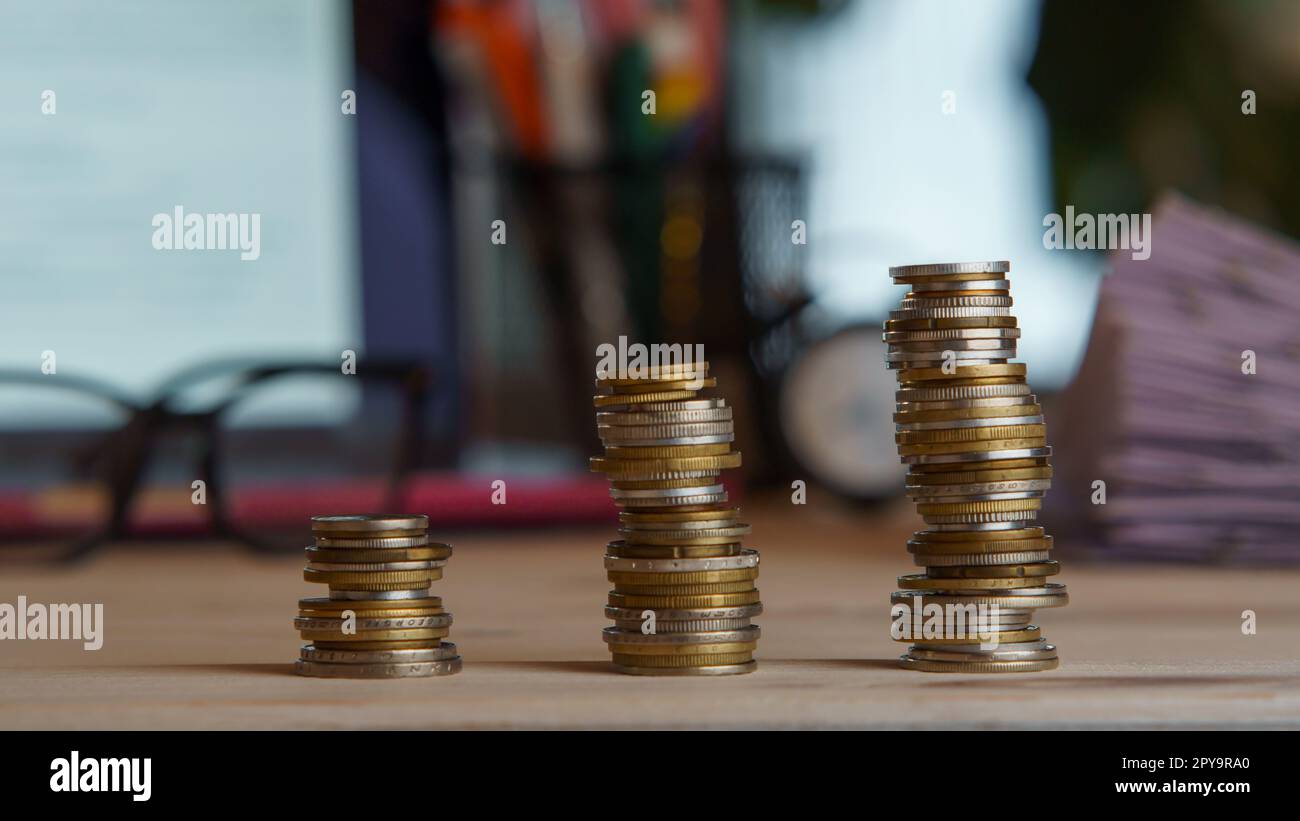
[468, 197]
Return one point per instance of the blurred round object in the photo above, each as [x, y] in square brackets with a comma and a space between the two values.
[835, 412]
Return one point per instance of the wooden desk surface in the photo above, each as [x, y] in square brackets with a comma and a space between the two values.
[204, 639]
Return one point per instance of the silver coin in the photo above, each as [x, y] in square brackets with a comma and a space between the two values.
[377, 542]
[634, 418]
[743, 611]
[1048, 651]
[974, 647]
[418, 669]
[375, 567]
[379, 595]
[939, 363]
[958, 392]
[941, 334]
[711, 670]
[683, 405]
[748, 558]
[957, 498]
[948, 354]
[664, 493]
[735, 530]
[671, 440]
[955, 527]
[930, 269]
[364, 625]
[977, 456]
[612, 635]
[1017, 597]
[952, 344]
[663, 431]
[916, 303]
[987, 422]
[700, 525]
[443, 652]
[640, 474]
[963, 285]
[979, 559]
[1027, 400]
[973, 626]
[675, 501]
[697, 626]
[947, 313]
[979, 488]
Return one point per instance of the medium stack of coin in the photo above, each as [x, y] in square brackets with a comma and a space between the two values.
[975, 442]
[379, 620]
[684, 586]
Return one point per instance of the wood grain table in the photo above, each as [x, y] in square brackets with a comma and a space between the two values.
[201, 636]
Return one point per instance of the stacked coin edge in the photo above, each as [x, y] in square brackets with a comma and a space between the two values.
[974, 438]
[379, 620]
[684, 585]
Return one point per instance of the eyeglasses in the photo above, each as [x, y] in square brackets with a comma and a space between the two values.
[228, 450]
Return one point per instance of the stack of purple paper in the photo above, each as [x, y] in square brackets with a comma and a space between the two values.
[1199, 451]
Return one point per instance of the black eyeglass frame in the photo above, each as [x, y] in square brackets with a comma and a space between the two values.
[125, 452]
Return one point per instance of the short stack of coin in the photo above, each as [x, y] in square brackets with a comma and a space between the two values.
[684, 586]
[975, 441]
[379, 620]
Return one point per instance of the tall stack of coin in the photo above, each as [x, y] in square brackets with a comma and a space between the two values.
[975, 442]
[684, 586]
[379, 620]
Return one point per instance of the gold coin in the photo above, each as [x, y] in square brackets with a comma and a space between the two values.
[953, 548]
[401, 524]
[667, 650]
[376, 577]
[660, 386]
[663, 484]
[620, 550]
[684, 602]
[637, 577]
[668, 371]
[972, 447]
[710, 589]
[395, 613]
[1030, 633]
[946, 323]
[909, 437]
[925, 536]
[954, 414]
[710, 660]
[609, 400]
[977, 477]
[406, 634]
[716, 512]
[921, 581]
[427, 603]
[962, 372]
[724, 461]
[979, 666]
[642, 537]
[988, 464]
[991, 506]
[1036, 571]
[418, 644]
[665, 451]
[370, 554]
